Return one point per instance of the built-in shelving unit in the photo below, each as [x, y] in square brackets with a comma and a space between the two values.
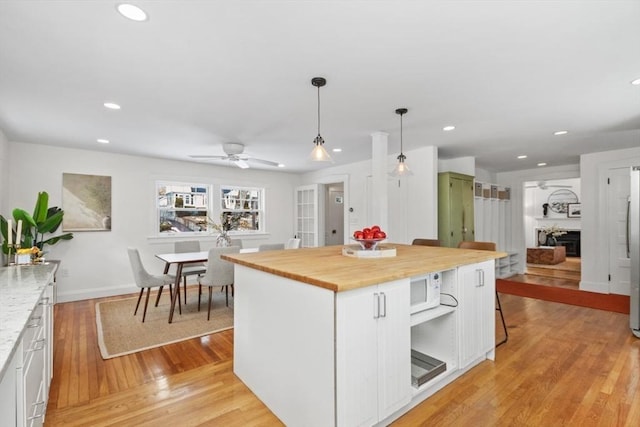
[434, 330]
[492, 205]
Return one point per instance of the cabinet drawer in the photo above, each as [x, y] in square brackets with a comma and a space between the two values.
[33, 373]
[33, 330]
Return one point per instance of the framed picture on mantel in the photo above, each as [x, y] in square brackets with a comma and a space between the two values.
[574, 210]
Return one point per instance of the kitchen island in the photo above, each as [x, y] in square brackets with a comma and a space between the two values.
[325, 339]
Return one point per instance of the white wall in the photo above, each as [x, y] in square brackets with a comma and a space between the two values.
[96, 263]
[463, 165]
[413, 204]
[4, 175]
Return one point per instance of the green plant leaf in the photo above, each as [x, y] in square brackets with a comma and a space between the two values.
[40, 210]
[51, 223]
[56, 239]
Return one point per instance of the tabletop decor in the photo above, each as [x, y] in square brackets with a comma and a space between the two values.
[31, 230]
[222, 229]
[553, 232]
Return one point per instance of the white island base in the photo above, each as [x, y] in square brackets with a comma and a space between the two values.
[317, 357]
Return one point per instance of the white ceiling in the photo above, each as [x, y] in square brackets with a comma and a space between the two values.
[197, 74]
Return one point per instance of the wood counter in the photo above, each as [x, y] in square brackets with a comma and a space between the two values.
[326, 267]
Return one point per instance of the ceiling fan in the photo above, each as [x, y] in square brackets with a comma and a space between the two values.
[543, 185]
[235, 153]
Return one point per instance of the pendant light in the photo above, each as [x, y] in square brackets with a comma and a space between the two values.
[319, 154]
[401, 168]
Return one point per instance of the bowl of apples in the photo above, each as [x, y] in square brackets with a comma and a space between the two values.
[369, 237]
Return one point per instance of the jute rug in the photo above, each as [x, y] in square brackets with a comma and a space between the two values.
[120, 333]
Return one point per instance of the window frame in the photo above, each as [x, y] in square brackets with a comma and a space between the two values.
[260, 209]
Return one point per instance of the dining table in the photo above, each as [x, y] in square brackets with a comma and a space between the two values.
[180, 259]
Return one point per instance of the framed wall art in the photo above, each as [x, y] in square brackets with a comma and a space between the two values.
[86, 201]
[574, 210]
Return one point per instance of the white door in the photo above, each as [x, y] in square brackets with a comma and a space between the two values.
[617, 205]
[306, 215]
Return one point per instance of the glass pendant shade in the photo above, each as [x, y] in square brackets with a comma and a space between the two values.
[319, 153]
[401, 168]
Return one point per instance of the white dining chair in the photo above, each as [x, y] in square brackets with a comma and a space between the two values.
[219, 273]
[270, 247]
[144, 280]
[292, 243]
[190, 269]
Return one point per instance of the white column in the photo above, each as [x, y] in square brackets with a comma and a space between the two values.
[379, 198]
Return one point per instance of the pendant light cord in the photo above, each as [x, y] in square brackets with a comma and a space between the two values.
[401, 133]
[318, 110]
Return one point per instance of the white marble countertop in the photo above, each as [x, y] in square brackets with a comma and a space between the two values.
[20, 289]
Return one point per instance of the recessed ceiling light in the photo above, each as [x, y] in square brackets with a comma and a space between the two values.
[132, 12]
[103, 141]
[522, 156]
[636, 82]
[337, 150]
[111, 106]
[542, 164]
[448, 128]
[561, 132]
[280, 165]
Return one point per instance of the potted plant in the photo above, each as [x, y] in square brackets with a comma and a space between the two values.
[44, 221]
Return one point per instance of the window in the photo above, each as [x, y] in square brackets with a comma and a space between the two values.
[182, 207]
[189, 208]
[242, 208]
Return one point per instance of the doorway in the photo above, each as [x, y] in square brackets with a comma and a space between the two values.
[552, 217]
[334, 214]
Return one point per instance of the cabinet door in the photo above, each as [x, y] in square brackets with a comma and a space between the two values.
[373, 372]
[394, 347]
[476, 284]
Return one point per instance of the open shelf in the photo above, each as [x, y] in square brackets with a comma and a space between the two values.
[430, 314]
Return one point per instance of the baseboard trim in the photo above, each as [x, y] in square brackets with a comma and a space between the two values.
[599, 287]
[95, 293]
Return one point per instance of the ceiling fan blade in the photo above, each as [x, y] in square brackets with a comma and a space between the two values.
[241, 163]
[204, 156]
[264, 162]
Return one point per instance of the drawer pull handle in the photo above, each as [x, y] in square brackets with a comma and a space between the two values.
[37, 345]
[41, 414]
[37, 321]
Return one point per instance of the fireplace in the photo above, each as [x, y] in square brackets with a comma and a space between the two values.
[571, 241]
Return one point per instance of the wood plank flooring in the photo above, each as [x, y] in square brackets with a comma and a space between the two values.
[562, 365]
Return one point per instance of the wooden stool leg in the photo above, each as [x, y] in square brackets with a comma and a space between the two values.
[504, 325]
[138, 304]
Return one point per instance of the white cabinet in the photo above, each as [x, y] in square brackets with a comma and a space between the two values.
[373, 372]
[24, 386]
[476, 300]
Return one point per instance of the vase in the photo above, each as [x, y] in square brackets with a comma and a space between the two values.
[552, 241]
[223, 240]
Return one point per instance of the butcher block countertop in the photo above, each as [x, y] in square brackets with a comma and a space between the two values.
[328, 268]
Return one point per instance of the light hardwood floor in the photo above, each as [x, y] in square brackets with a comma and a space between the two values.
[562, 365]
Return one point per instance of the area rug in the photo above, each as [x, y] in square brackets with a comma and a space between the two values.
[609, 302]
[120, 333]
